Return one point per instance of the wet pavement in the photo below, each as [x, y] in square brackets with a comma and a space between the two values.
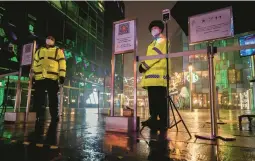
[80, 136]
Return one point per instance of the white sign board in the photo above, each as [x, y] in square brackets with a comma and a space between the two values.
[124, 36]
[210, 26]
[27, 54]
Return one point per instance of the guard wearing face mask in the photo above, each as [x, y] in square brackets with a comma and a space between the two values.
[154, 78]
[49, 66]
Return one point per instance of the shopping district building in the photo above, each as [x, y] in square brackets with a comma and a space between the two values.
[81, 29]
[234, 72]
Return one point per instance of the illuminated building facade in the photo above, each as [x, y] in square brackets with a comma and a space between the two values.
[232, 73]
[78, 27]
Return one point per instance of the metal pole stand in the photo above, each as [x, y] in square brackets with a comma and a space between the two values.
[219, 121]
[170, 102]
[173, 106]
[214, 126]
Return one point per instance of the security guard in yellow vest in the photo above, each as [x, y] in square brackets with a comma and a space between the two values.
[49, 66]
[154, 78]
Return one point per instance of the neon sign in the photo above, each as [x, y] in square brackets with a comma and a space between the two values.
[194, 77]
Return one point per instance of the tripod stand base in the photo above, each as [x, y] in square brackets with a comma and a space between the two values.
[209, 137]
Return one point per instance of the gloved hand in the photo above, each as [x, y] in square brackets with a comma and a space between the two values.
[61, 80]
[141, 69]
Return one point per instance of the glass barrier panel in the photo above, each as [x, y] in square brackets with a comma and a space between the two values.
[118, 85]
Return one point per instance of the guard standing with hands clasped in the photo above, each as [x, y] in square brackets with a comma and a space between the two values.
[49, 67]
[154, 78]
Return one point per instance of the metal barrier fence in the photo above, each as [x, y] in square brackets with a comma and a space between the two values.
[71, 97]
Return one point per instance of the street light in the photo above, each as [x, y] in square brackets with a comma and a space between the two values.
[190, 86]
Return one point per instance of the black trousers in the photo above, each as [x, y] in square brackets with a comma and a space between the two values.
[158, 104]
[39, 100]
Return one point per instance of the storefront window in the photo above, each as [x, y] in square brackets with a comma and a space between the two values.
[200, 100]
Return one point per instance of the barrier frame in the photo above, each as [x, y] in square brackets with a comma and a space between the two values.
[114, 53]
[27, 59]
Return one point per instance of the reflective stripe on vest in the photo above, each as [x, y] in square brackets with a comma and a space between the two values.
[53, 73]
[146, 65]
[157, 50]
[154, 76]
[51, 58]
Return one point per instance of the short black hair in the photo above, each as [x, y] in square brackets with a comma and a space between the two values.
[51, 37]
[157, 23]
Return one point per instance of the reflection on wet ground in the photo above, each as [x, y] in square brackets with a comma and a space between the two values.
[80, 136]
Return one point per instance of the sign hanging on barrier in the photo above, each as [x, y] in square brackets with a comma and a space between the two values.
[124, 38]
[210, 26]
[27, 54]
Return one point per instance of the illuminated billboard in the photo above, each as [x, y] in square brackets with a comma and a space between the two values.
[247, 40]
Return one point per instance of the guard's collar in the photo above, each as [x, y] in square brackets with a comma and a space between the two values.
[159, 38]
[49, 47]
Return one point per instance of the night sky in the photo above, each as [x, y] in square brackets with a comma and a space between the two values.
[146, 12]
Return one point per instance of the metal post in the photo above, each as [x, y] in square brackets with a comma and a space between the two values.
[135, 90]
[214, 127]
[167, 78]
[79, 99]
[253, 77]
[112, 84]
[18, 92]
[135, 77]
[30, 84]
[217, 102]
[98, 96]
[29, 95]
[213, 113]
[68, 93]
[104, 94]
[190, 87]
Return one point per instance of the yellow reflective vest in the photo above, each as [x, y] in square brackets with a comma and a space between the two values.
[49, 63]
[155, 74]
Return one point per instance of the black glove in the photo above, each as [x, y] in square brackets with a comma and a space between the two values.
[61, 80]
[141, 69]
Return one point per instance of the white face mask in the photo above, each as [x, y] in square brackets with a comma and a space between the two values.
[49, 42]
[155, 32]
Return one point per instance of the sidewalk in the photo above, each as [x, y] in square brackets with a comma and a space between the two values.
[81, 136]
